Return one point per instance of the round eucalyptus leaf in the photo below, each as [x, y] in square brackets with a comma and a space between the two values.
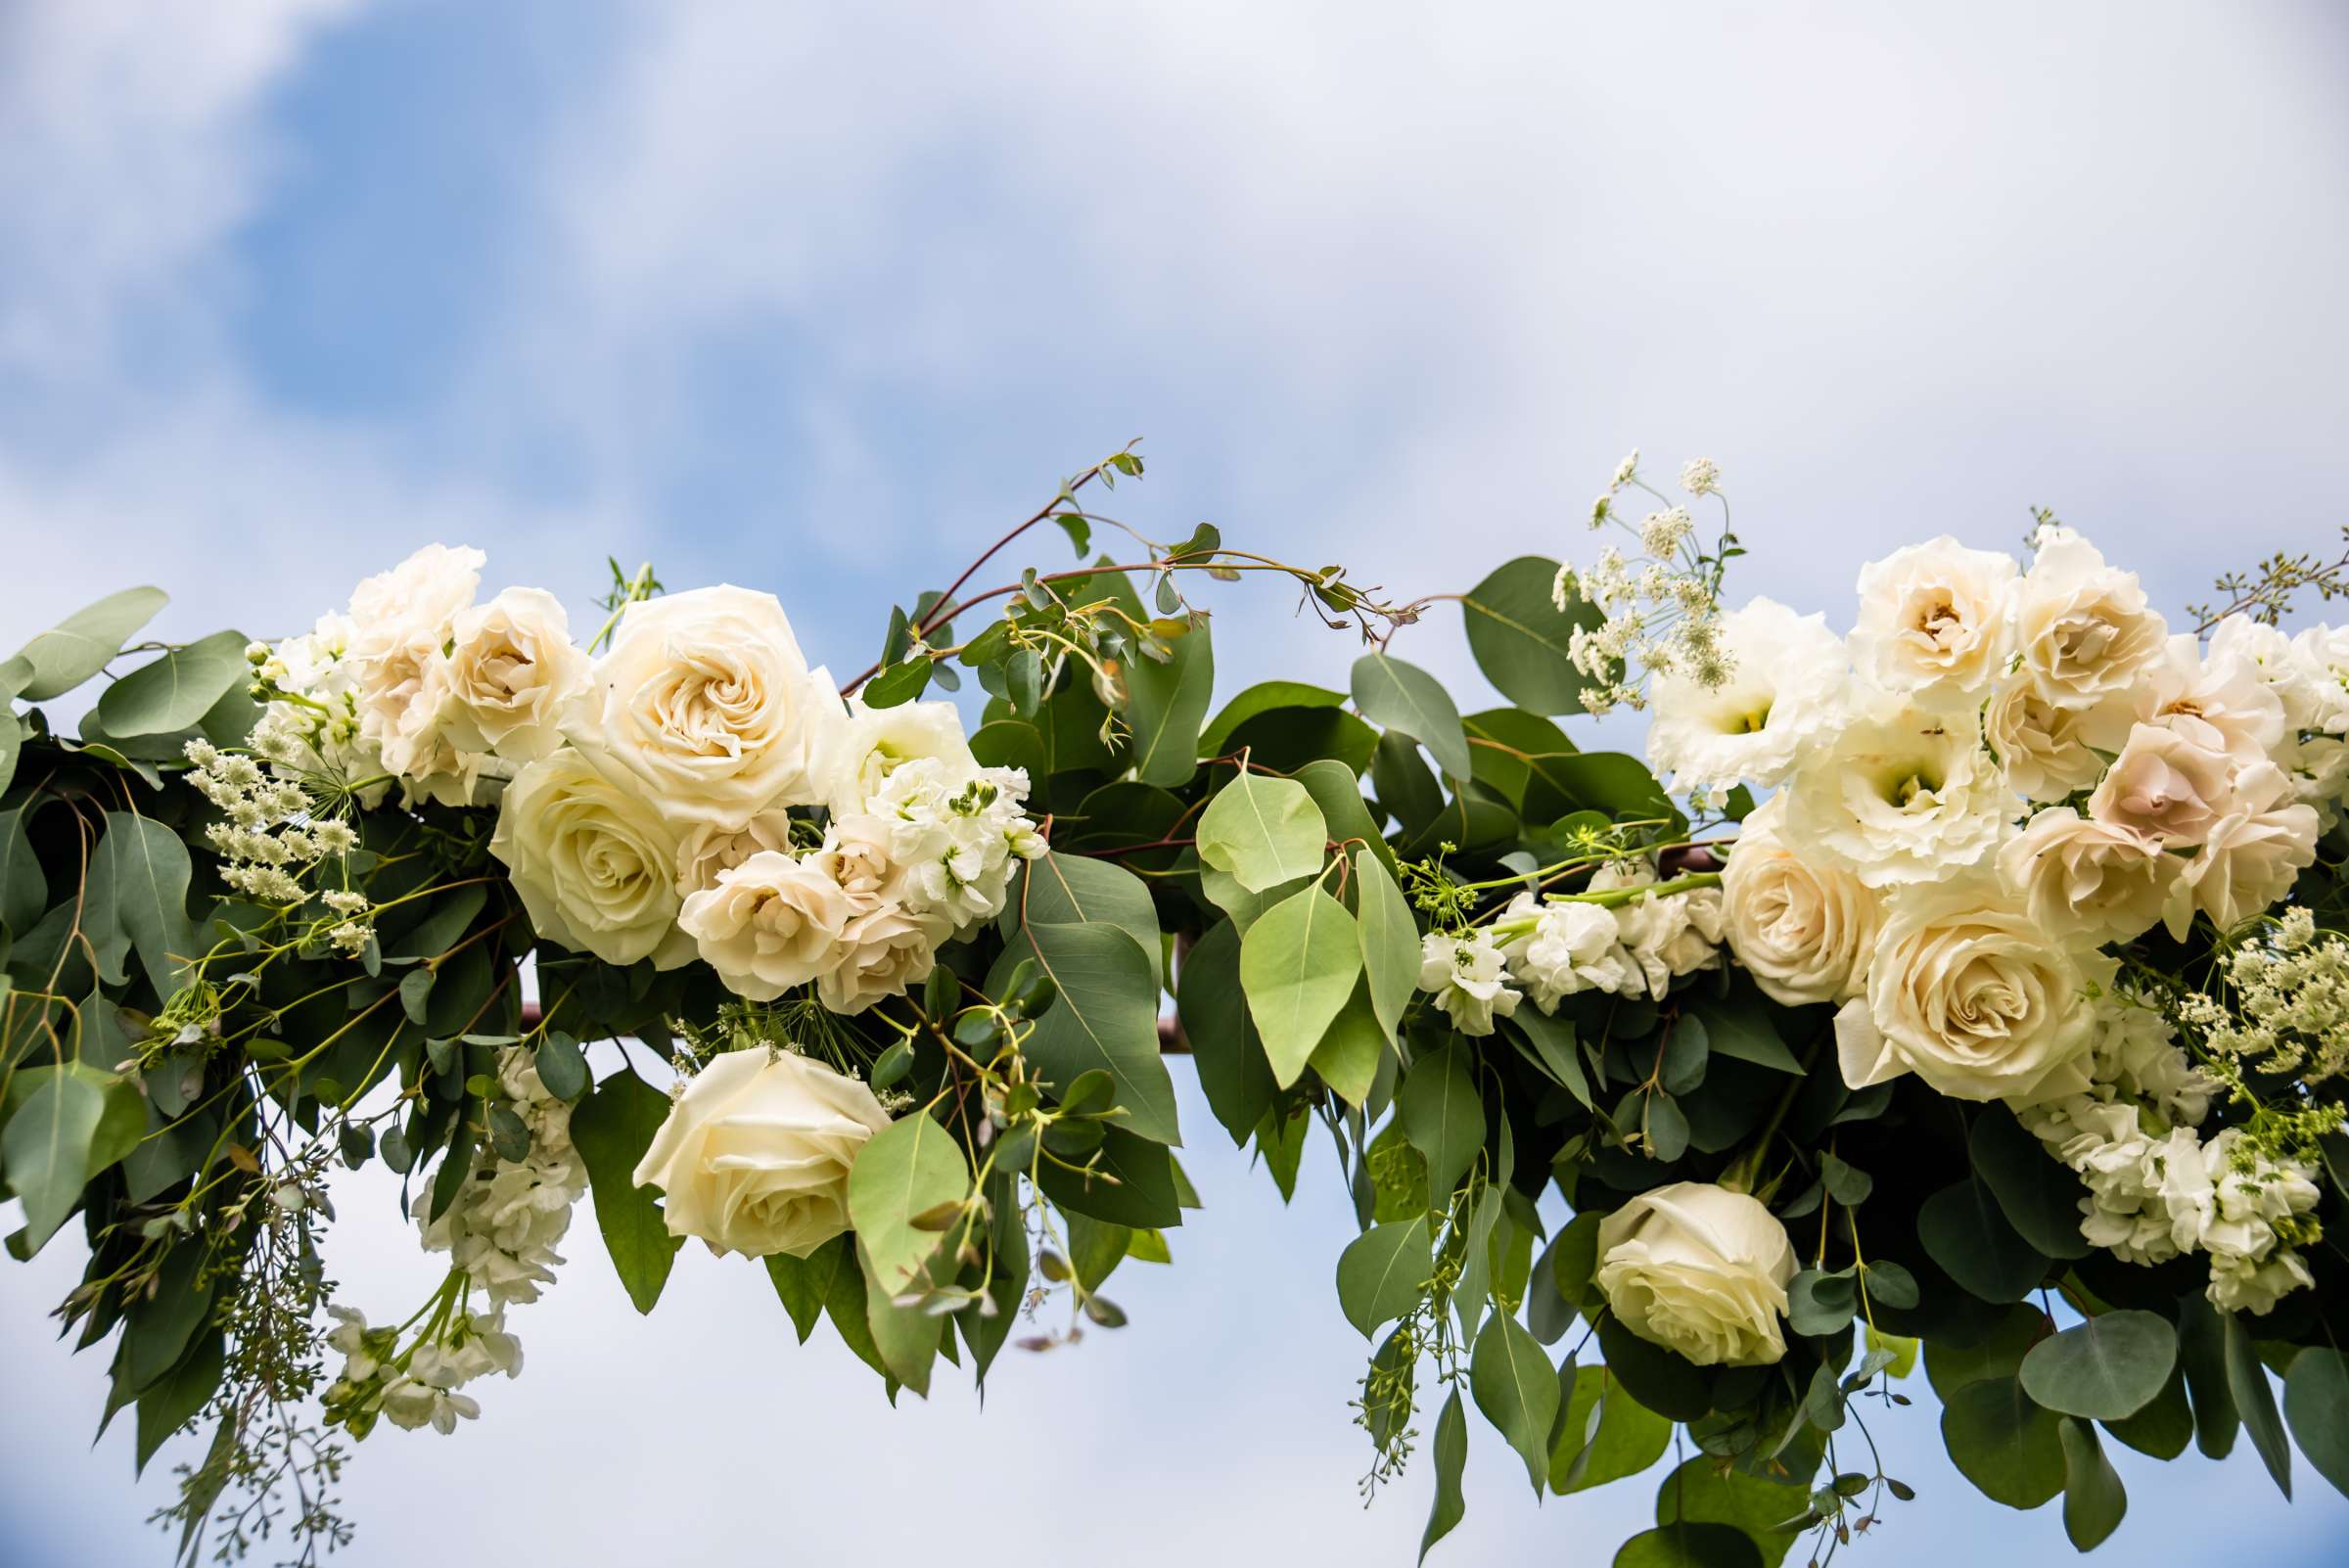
[2106, 1369]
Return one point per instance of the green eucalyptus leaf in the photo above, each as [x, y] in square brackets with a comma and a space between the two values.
[1224, 1046]
[2092, 1498]
[1347, 1056]
[911, 1166]
[1700, 1493]
[2002, 1441]
[1382, 1273]
[1443, 1116]
[1520, 636]
[1104, 1015]
[1517, 1389]
[1689, 1545]
[2039, 1193]
[1967, 1232]
[85, 641]
[2106, 1369]
[2255, 1402]
[1298, 965]
[804, 1284]
[1057, 889]
[2316, 1400]
[70, 1123]
[1263, 831]
[1451, 1456]
[172, 692]
[1395, 695]
[1262, 698]
[612, 1129]
[1390, 941]
[1625, 1440]
[1166, 702]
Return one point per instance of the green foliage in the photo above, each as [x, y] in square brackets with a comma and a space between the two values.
[2106, 1369]
[1261, 831]
[1298, 965]
[2315, 1398]
[1399, 696]
[1517, 1390]
[84, 643]
[1382, 1273]
[2008, 1446]
[908, 1170]
[2093, 1498]
[1521, 638]
[1443, 1116]
[612, 1129]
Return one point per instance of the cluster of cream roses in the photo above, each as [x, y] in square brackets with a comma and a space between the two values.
[1549, 948]
[658, 801]
[1999, 774]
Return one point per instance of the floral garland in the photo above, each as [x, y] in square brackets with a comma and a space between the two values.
[2024, 978]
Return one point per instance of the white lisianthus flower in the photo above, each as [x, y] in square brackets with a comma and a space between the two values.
[511, 675]
[1967, 992]
[1935, 618]
[2250, 856]
[756, 1154]
[707, 701]
[1469, 978]
[2165, 787]
[1698, 1269]
[1803, 931]
[2045, 748]
[1786, 675]
[874, 741]
[412, 603]
[2082, 628]
[710, 849]
[2085, 881]
[1902, 795]
[1569, 947]
[595, 865]
[769, 924]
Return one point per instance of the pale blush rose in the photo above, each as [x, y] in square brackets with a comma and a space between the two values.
[885, 951]
[712, 847]
[2088, 882]
[1968, 993]
[1936, 618]
[512, 675]
[1803, 931]
[1699, 1269]
[595, 865]
[874, 741]
[706, 699]
[2250, 857]
[756, 1154]
[1786, 676]
[2164, 786]
[415, 601]
[2045, 748]
[769, 924]
[1907, 795]
[2082, 628]
[2220, 703]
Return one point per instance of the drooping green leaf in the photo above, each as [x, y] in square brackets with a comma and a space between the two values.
[2203, 1353]
[1552, 1040]
[1382, 1272]
[1407, 786]
[1339, 793]
[1746, 1032]
[1075, 890]
[2003, 1443]
[1700, 1493]
[2316, 1400]
[1395, 695]
[1443, 1116]
[162, 1325]
[85, 641]
[1263, 831]
[1105, 1015]
[1520, 636]
[1451, 1456]
[1230, 1056]
[612, 1129]
[2165, 1427]
[1663, 1380]
[1298, 964]
[2106, 1369]
[1628, 1438]
[804, 1284]
[1289, 739]
[179, 1396]
[2037, 1192]
[907, 1168]
[1134, 1185]
[1261, 698]
[1166, 702]
[1390, 941]
[897, 684]
[1997, 1352]
[71, 1122]
[172, 692]
[1517, 1389]
[2255, 1403]
[1967, 1232]
[906, 1338]
[1347, 1056]
[2093, 1498]
[137, 898]
[1689, 1545]
[23, 889]
[560, 1067]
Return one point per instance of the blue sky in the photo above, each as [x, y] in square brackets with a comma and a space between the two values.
[817, 298]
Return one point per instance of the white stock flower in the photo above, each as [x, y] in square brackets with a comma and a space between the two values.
[1901, 795]
[1803, 930]
[2164, 786]
[756, 1154]
[1699, 1269]
[706, 699]
[2250, 856]
[595, 866]
[1469, 978]
[511, 675]
[957, 835]
[1786, 675]
[2082, 628]
[768, 924]
[1935, 618]
[2045, 749]
[1663, 935]
[1968, 993]
[2087, 881]
[1571, 946]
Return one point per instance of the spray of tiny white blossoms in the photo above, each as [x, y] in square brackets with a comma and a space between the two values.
[2290, 1013]
[500, 1232]
[273, 835]
[1662, 604]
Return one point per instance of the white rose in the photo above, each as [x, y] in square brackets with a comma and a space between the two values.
[1905, 796]
[2082, 628]
[705, 698]
[712, 847]
[415, 601]
[769, 924]
[2045, 748]
[1968, 993]
[756, 1154]
[1565, 947]
[2165, 787]
[2088, 881]
[1699, 1269]
[2274, 662]
[403, 712]
[1786, 676]
[1935, 618]
[2321, 656]
[1803, 931]
[512, 675]
[595, 865]
[874, 741]
[2220, 703]
[885, 951]
[2250, 857]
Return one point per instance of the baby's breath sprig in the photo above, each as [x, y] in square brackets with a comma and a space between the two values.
[1662, 606]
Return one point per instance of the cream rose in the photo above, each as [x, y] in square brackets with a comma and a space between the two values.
[710, 849]
[1699, 1269]
[885, 951]
[413, 602]
[595, 865]
[2164, 786]
[756, 1154]
[1935, 617]
[1967, 992]
[511, 675]
[1803, 931]
[706, 699]
[2082, 628]
[769, 924]
[2251, 855]
[2045, 748]
[2220, 703]
[1907, 795]
[2085, 881]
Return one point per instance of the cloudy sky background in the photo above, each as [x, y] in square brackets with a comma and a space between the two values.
[815, 299]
